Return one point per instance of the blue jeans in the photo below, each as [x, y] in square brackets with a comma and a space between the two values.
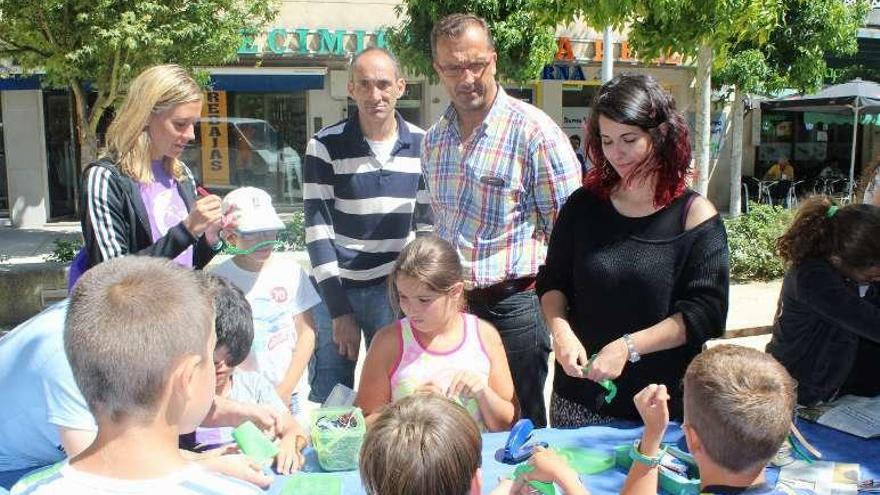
[520, 323]
[327, 367]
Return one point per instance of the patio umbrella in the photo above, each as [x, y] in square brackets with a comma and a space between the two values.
[857, 97]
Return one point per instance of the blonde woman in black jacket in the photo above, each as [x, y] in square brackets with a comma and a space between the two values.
[139, 198]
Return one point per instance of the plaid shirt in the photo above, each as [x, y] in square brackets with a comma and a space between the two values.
[496, 196]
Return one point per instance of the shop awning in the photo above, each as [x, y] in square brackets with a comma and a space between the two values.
[267, 79]
[19, 82]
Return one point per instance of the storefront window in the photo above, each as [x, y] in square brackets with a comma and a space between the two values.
[60, 154]
[4, 186]
[251, 139]
[576, 101]
[525, 94]
[817, 144]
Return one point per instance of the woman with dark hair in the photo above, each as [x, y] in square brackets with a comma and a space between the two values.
[637, 271]
[827, 327]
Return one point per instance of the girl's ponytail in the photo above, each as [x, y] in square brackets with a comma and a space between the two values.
[811, 234]
[822, 230]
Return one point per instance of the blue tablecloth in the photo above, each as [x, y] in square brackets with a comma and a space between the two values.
[835, 446]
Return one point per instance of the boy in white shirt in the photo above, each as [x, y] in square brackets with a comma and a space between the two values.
[139, 336]
[278, 290]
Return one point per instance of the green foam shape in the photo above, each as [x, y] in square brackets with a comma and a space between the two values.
[543, 488]
[313, 484]
[254, 444]
[585, 461]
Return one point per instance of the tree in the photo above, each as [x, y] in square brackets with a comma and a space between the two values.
[698, 29]
[705, 29]
[793, 56]
[524, 44]
[97, 46]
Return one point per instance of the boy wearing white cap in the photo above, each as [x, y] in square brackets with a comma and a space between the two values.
[278, 290]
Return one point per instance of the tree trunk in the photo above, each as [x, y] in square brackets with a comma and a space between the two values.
[702, 133]
[87, 138]
[736, 147]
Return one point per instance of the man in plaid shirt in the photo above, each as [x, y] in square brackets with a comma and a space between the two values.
[498, 170]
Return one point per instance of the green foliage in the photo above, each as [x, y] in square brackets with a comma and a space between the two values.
[65, 250]
[524, 45]
[107, 41]
[752, 241]
[294, 234]
[99, 45]
[793, 56]
[682, 26]
[851, 72]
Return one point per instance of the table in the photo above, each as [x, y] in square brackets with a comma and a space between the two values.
[835, 445]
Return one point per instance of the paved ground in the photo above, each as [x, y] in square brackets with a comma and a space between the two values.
[32, 245]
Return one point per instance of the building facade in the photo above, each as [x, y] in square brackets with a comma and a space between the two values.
[290, 80]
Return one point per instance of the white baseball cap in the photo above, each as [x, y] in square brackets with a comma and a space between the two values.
[249, 209]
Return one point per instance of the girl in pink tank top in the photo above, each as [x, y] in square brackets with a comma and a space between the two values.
[436, 346]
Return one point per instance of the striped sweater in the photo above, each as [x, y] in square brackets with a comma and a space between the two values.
[360, 213]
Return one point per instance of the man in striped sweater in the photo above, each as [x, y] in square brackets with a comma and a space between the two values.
[364, 199]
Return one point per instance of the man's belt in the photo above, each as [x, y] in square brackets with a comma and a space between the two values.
[500, 291]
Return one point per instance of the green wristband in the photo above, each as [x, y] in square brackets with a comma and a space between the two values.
[650, 461]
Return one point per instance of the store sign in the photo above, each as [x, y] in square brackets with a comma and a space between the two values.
[564, 72]
[215, 141]
[563, 49]
[304, 42]
[565, 61]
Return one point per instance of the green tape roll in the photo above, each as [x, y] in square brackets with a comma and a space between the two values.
[254, 444]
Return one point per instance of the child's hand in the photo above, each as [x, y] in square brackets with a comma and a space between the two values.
[609, 362]
[267, 419]
[549, 468]
[237, 466]
[285, 392]
[651, 403]
[430, 387]
[467, 384]
[505, 487]
[290, 457]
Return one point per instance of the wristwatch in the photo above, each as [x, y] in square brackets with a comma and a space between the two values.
[638, 456]
[634, 355]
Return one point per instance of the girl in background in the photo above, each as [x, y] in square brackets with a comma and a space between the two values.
[827, 326]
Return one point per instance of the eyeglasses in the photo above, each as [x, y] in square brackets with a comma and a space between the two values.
[457, 70]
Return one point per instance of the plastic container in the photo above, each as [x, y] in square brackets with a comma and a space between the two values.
[670, 482]
[340, 396]
[338, 449]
